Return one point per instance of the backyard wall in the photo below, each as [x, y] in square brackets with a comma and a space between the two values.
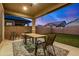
[66, 30]
[17, 29]
[40, 30]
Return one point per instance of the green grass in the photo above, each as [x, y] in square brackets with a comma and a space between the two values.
[68, 39]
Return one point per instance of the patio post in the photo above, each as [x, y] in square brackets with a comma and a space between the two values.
[33, 25]
[1, 23]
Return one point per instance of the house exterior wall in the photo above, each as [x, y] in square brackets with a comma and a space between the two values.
[9, 23]
[1, 23]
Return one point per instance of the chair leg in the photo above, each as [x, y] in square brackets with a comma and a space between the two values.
[25, 40]
[33, 40]
[53, 50]
[44, 51]
[36, 50]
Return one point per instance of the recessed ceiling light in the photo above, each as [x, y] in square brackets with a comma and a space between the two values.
[25, 8]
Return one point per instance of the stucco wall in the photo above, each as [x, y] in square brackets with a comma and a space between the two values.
[40, 30]
[1, 22]
[17, 29]
[66, 30]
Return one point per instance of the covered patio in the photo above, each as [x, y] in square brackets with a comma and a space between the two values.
[32, 11]
[23, 39]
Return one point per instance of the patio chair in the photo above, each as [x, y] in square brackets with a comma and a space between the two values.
[13, 35]
[48, 42]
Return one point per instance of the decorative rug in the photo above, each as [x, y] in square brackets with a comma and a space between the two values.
[19, 49]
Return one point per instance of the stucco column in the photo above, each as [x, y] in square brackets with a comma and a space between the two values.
[1, 22]
[33, 25]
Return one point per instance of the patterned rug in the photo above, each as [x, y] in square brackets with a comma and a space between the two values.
[19, 49]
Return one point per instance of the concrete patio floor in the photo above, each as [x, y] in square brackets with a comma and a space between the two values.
[7, 50]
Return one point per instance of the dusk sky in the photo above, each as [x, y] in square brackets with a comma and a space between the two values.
[67, 14]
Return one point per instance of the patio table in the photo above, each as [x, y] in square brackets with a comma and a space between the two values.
[34, 36]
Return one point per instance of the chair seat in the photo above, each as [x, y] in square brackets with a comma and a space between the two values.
[41, 39]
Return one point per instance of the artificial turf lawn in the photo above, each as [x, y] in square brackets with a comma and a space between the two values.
[68, 39]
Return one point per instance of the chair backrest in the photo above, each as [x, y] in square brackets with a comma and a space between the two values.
[13, 35]
[27, 32]
[50, 39]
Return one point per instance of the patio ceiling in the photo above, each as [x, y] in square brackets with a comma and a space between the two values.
[33, 10]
